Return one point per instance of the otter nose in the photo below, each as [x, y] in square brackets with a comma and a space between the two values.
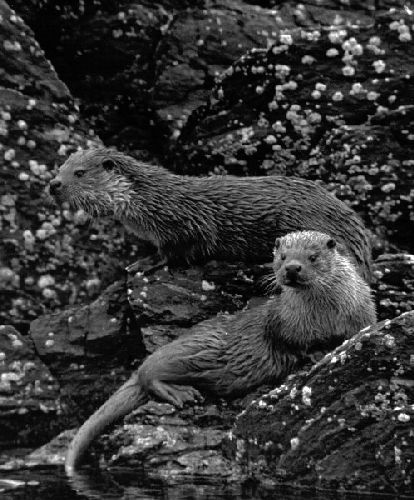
[293, 268]
[54, 186]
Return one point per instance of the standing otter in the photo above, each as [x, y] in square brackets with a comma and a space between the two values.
[323, 300]
[199, 218]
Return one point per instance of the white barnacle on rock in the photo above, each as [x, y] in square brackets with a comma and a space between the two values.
[337, 36]
[389, 340]
[15, 341]
[372, 95]
[405, 37]
[22, 124]
[294, 443]
[353, 47]
[348, 70]
[9, 155]
[12, 46]
[403, 417]
[306, 395]
[45, 281]
[31, 104]
[273, 105]
[286, 38]
[49, 293]
[379, 66]
[23, 176]
[307, 59]
[270, 139]
[332, 52]
[387, 188]
[282, 70]
[279, 49]
[290, 85]
[337, 96]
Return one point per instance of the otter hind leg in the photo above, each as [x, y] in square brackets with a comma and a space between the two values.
[177, 395]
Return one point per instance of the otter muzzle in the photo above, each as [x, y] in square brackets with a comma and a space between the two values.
[55, 187]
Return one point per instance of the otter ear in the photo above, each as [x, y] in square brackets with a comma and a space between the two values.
[277, 243]
[331, 243]
[108, 164]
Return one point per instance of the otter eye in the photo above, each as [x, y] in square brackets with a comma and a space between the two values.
[331, 243]
[108, 164]
[313, 257]
[282, 256]
[79, 173]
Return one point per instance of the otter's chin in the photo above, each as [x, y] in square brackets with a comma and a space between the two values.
[294, 283]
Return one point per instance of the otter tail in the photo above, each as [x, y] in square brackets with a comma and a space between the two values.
[128, 397]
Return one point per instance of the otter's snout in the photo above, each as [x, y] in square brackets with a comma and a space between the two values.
[292, 271]
[55, 186]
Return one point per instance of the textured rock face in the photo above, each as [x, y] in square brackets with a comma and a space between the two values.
[316, 107]
[155, 63]
[29, 394]
[49, 256]
[347, 423]
[331, 105]
[394, 285]
[327, 104]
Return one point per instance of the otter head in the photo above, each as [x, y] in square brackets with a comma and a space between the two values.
[91, 180]
[304, 259]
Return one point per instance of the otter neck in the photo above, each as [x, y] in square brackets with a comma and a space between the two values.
[169, 211]
[309, 316]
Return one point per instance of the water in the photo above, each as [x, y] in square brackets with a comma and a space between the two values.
[50, 483]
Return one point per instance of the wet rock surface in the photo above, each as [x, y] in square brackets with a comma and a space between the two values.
[346, 423]
[318, 100]
[29, 394]
[50, 256]
[331, 104]
[394, 285]
[155, 63]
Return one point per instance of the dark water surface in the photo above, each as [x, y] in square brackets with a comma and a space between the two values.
[51, 484]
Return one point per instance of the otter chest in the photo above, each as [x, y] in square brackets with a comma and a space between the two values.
[313, 322]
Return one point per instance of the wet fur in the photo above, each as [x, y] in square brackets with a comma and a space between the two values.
[232, 355]
[194, 219]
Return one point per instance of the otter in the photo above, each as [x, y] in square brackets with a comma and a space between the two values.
[322, 301]
[193, 219]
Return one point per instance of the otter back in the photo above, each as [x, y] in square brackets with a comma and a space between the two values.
[194, 219]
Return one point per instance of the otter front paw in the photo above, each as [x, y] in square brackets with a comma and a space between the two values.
[177, 395]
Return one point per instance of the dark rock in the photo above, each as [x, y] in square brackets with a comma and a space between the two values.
[183, 297]
[345, 424]
[79, 333]
[142, 68]
[329, 104]
[29, 394]
[49, 257]
[370, 167]
[394, 284]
